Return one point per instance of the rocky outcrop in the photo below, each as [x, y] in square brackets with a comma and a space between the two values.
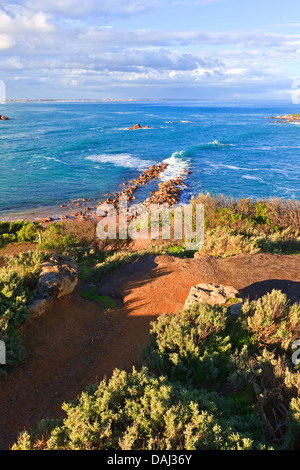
[138, 126]
[286, 118]
[145, 177]
[46, 220]
[169, 192]
[58, 277]
[214, 294]
[3, 118]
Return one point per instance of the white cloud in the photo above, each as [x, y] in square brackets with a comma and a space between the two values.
[84, 8]
[18, 20]
[6, 42]
[65, 43]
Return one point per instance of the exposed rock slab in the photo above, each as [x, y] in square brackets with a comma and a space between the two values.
[212, 294]
[58, 277]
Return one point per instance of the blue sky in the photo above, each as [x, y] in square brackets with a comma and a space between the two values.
[203, 49]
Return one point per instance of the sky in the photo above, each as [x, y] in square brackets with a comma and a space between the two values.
[156, 49]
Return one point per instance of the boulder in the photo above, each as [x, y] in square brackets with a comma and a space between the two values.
[46, 220]
[58, 277]
[213, 294]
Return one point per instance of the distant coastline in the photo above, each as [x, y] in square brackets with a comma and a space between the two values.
[101, 100]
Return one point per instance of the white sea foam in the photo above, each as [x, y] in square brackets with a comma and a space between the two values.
[177, 163]
[214, 144]
[248, 177]
[218, 166]
[217, 143]
[51, 158]
[125, 160]
[233, 167]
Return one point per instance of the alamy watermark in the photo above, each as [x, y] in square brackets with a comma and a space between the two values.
[157, 221]
[2, 353]
[296, 354]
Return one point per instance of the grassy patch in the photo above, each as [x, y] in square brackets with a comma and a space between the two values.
[92, 295]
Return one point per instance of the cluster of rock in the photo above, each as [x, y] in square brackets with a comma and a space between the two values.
[286, 118]
[169, 192]
[58, 277]
[85, 210]
[45, 220]
[3, 118]
[214, 294]
[145, 177]
[138, 126]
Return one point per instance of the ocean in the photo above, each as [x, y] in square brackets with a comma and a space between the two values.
[55, 152]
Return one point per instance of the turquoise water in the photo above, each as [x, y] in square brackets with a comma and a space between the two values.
[53, 152]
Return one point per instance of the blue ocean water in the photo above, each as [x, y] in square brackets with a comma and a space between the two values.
[52, 152]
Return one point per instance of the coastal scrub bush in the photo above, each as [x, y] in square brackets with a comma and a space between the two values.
[19, 232]
[245, 359]
[268, 216]
[112, 261]
[137, 411]
[271, 321]
[191, 346]
[81, 230]
[208, 381]
[246, 226]
[57, 239]
[17, 287]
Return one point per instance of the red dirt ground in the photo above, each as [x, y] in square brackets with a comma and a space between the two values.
[77, 343]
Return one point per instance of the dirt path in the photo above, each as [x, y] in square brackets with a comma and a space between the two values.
[77, 343]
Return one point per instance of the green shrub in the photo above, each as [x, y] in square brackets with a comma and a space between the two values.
[246, 226]
[136, 411]
[209, 383]
[191, 346]
[56, 239]
[17, 287]
[19, 232]
[271, 321]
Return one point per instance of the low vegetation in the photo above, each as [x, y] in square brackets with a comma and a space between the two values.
[19, 232]
[208, 380]
[240, 226]
[17, 287]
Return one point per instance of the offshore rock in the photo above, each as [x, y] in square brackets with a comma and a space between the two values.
[137, 126]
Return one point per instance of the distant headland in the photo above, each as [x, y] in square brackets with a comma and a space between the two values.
[286, 118]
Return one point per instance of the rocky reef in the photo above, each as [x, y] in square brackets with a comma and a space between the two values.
[287, 118]
[138, 126]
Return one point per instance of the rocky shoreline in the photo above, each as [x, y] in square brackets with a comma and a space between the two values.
[287, 118]
[169, 192]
